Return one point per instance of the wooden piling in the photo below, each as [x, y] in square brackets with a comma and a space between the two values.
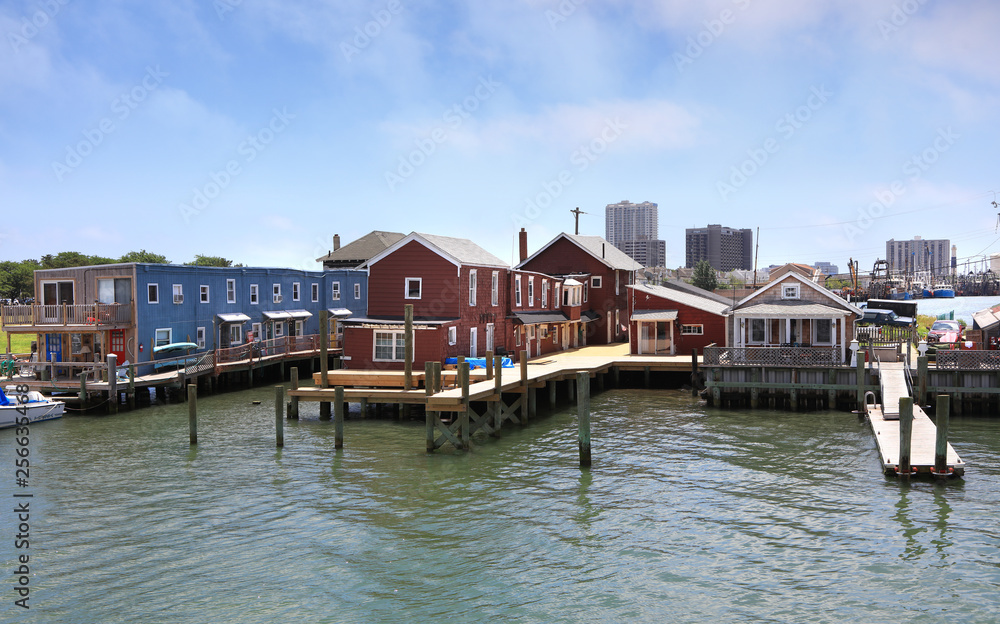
[861, 380]
[112, 383]
[293, 406]
[489, 365]
[552, 393]
[338, 419]
[430, 417]
[279, 422]
[922, 380]
[497, 406]
[523, 362]
[437, 377]
[83, 389]
[408, 346]
[645, 376]
[905, 435]
[694, 372]
[583, 416]
[571, 390]
[463, 374]
[324, 339]
[131, 386]
[941, 418]
[324, 410]
[192, 390]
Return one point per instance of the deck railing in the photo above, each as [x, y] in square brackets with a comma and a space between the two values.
[884, 335]
[968, 360]
[77, 314]
[772, 356]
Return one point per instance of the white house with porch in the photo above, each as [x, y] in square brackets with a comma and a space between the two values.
[794, 312]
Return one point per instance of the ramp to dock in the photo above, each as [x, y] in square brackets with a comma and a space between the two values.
[892, 378]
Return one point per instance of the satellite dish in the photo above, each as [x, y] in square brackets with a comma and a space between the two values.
[648, 275]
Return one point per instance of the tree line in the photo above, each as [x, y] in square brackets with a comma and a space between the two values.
[17, 279]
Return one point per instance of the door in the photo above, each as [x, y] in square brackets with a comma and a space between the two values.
[116, 344]
[53, 347]
[647, 338]
[473, 348]
[489, 336]
[565, 336]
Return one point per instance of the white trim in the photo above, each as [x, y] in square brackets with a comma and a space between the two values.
[203, 293]
[495, 289]
[406, 287]
[473, 285]
[517, 291]
[199, 335]
[452, 335]
[314, 292]
[296, 291]
[177, 290]
[254, 294]
[156, 332]
[395, 346]
[155, 286]
[596, 281]
[826, 293]
[695, 330]
[335, 291]
[357, 291]
[230, 291]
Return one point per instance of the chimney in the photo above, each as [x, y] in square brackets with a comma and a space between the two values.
[336, 242]
[522, 239]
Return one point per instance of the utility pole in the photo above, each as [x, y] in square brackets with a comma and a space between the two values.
[576, 218]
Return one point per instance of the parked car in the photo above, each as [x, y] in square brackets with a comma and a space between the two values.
[945, 331]
[876, 316]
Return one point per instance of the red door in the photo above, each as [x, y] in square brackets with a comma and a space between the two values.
[117, 344]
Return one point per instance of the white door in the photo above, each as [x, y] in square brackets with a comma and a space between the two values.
[472, 343]
[489, 336]
[647, 338]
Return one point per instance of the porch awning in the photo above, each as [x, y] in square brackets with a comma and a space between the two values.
[233, 317]
[589, 316]
[299, 314]
[340, 312]
[277, 315]
[533, 318]
[774, 310]
[654, 315]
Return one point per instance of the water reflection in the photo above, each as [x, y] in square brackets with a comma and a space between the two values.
[909, 530]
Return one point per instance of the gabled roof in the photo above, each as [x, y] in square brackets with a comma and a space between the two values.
[691, 300]
[760, 297]
[679, 284]
[458, 251]
[360, 251]
[986, 319]
[804, 270]
[597, 247]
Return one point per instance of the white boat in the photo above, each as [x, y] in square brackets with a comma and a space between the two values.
[944, 291]
[15, 406]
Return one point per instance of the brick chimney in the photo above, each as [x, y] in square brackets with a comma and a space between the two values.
[522, 239]
[336, 242]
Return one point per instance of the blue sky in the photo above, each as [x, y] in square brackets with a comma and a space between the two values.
[257, 129]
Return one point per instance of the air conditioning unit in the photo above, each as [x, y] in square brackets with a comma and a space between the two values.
[178, 298]
[278, 298]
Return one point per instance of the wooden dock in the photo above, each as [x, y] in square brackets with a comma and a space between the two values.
[923, 440]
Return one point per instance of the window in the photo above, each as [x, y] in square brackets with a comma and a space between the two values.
[230, 291]
[545, 293]
[790, 291]
[203, 293]
[413, 285]
[357, 291]
[153, 293]
[692, 330]
[757, 331]
[253, 294]
[472, 287]
[495, 288]
[555, 335]
[255, 330]
[555, 296]
[531, 332]
[517, 290]
[824, 331]
[163, 336]
[276, 293]
[566, 297]
[586, 291]
[295, 291]
[279, 329]
[178, 293]
[200, 337]
[473, 343]
[314, 292]
[489, 336]
[235, 334]
[595, 282]
[335, 289]
[114, 290]
[517, 336]
[531, 292]
[452, 335]
[617, 281]
[390, 346]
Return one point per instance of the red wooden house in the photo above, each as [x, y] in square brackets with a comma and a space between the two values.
[459, 296]
[603, 272]
[666, 321]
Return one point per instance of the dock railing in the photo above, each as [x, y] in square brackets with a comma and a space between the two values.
[772, 356]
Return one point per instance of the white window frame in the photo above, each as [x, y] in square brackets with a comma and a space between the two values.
[230, 291]
[314, 292]
[152, 293]
[335, 291]
[296, 291]
[495, 289]
[531, 292]
[255, 330]
[398, 346]
[178, 292]
[595, 281]
[406, 287]
[276, 293]
[157, 341]
[545, 293]
[555, 295]
[763, 332]
[203, 291]
[473, 342]
[531, 332]
[555, 334]
[279, 329]
[517, 291]
[517, 336]
[472, 287]
[790, 291]
[452, 335]
[692, 330]
[200, 337]
[236, 333]
[357, 291]
[490, 336]
[254, 294]
[586, 290]
[815, 331]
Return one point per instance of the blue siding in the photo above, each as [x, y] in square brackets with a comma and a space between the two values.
[185, 317]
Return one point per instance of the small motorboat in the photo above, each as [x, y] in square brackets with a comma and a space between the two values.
[15, 405]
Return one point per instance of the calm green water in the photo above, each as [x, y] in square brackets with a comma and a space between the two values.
[688, 515]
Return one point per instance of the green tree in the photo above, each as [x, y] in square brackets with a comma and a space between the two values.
[704, 276]
[215, 261]
[17, 279]
[144, 256]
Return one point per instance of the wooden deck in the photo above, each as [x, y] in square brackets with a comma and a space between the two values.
[923, 438]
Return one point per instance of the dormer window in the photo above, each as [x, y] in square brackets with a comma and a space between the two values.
[790, 291]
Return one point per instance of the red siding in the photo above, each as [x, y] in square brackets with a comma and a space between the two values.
[359, 344]
[441, 290]
[714, 325]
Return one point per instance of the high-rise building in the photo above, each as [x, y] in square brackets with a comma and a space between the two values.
[827, 268]
[634, 228]
[919, 256]
[725, 248]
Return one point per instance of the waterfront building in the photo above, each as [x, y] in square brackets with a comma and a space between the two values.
[634, 229]
[673, 320]
[724, 248]
[356, 253]
[919, 256]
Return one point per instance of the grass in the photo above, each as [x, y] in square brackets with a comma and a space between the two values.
[19, 343]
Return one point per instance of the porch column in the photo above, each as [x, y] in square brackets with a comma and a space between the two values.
[673, 342]
[788, 329]
[843, 330]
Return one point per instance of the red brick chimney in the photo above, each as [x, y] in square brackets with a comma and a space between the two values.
[522, 239]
